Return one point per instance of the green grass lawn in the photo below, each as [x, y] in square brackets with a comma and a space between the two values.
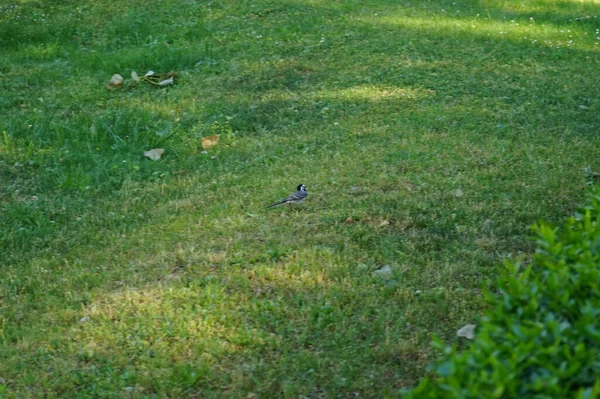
[430, 134]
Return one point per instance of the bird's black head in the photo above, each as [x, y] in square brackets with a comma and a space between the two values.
[301, 187]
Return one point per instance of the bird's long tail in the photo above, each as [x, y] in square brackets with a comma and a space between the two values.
[278, 203]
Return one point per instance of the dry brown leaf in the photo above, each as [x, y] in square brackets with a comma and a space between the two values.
[210, 141]
[349, 220]
[384, 223]
[115, 82]
[154, 154]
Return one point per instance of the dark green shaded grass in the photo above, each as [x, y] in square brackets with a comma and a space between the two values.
[430, 140]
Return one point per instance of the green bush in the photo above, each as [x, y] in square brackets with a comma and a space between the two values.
[541, 335]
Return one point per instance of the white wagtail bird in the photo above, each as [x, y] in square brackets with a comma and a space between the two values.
[296, 198]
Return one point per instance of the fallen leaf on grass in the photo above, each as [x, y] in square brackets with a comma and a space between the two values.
[166, 82]
[385, 272]
[115, 82]
[209, 141]
[135, 76]
[151, 77]
[467, 331]
[384, 223]
[154, 154]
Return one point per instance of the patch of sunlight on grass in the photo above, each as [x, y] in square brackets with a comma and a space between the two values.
[167, 109]
[208, 313]
[357, 93]
[285, 277]
[151, 316]
[579, 2]
[537, 5]
[373, 93]
[159, 103]
[539, 35]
